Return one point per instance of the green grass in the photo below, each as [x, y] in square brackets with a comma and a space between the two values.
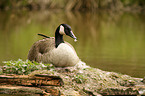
[23, 67]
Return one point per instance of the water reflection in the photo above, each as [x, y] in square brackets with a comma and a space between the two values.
[110, 41]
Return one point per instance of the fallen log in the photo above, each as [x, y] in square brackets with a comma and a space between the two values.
[76, 82]
[36, 80]
[21, 90]
[29, 91]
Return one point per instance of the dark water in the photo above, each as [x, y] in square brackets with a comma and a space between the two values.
[109, 41]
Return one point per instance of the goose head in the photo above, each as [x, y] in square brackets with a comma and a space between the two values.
[63, 29]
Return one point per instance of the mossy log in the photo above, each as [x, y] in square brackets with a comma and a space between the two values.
[80, 80]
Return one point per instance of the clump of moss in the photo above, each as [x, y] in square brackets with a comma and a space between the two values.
[23, 67]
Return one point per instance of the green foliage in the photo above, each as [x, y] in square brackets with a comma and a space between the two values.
[79, 79]
[68, 4]
[133, 2]
[23, 67]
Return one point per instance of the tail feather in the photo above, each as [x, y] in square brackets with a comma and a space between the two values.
[43, 35]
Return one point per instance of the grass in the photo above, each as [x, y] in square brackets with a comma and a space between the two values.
[23, 67]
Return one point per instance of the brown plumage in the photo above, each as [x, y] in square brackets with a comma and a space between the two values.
[40, 48]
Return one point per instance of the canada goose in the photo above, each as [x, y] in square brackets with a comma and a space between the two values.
[55, 50]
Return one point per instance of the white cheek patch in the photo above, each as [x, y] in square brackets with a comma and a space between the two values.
[61, 30]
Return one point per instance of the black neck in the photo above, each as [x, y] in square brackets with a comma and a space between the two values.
[58, 38]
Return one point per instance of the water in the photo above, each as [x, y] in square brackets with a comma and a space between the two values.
[106, 40]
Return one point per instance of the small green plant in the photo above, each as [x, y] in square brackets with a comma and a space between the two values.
[23, 67]
[80, 79]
